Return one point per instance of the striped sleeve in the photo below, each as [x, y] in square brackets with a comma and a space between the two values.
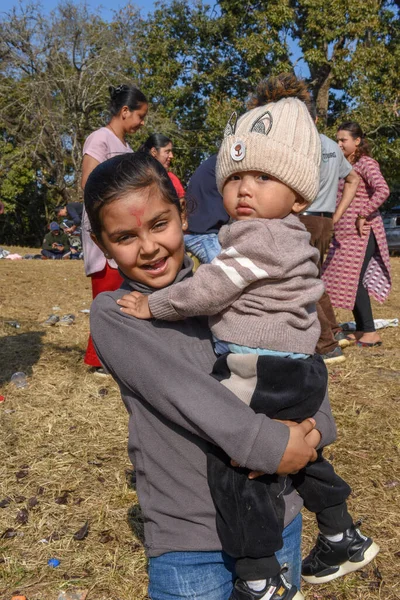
[217, 285]
[250, 271]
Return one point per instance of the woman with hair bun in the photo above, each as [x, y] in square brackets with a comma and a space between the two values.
[357, 265]
[128, 108]
[160, 147]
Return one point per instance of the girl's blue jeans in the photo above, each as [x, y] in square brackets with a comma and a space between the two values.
[210, 575]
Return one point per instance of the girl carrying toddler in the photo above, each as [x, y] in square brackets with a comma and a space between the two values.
[260, 295]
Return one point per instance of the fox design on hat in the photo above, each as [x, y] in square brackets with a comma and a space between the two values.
[238, 148]
[279, 139]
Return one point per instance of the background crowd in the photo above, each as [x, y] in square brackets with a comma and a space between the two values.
[344, 222]
[53, 92]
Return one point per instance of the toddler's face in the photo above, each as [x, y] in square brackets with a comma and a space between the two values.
[255, 195]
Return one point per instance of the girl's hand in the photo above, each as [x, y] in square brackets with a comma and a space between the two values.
[136, 305]
[313, 438]
[298, 451]
[303, 439]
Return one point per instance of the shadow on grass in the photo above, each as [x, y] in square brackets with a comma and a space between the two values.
[21, 351]
[80, 353]
[135, 522]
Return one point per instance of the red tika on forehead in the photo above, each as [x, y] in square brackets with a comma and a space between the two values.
[138, 213]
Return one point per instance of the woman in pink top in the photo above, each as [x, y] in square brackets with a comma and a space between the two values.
[357, 265]
[128, 109]
[160, 146]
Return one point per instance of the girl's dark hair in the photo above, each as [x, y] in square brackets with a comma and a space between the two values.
[273, 89]
[156, 140]
[125, 95]
[355, 131]
[120, 175]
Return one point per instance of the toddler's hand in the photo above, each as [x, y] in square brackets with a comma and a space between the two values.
[136, 305]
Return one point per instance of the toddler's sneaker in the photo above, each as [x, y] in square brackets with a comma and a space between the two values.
[330, 560]
[277, 588]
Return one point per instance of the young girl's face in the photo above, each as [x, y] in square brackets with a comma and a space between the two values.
[142, 232]
[255, 195]
[347, 143]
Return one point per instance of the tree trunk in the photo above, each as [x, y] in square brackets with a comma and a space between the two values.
[321, 83]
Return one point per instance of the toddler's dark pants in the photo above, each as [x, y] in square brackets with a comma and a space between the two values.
[250, 512]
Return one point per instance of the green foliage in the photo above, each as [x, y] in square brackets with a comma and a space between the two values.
[23, 200]
[17, 174]
[196, 64]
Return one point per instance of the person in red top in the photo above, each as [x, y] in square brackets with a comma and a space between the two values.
[161, 148]
[357, 265]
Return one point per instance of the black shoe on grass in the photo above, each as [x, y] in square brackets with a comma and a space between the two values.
[277, 588]
[330, 560]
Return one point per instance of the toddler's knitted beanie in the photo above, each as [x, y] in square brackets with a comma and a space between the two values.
[278, 138]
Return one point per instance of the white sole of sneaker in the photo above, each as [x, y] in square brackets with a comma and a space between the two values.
[335, 360]
[100, 374]
[298, 596]
[345, 343]
[347, 567]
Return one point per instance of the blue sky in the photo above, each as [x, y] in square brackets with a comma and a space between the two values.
[107, 6]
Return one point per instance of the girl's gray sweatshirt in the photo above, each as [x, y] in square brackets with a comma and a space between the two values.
[176, 409]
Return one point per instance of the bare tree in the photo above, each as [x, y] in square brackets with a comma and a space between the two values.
[54, 78]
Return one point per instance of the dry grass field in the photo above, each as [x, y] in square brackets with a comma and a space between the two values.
[64, 462]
